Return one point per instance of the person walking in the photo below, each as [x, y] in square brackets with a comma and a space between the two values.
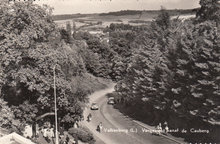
[159, 129]
[49, 138]
[100, 124]
[44, 132]
[99, 127]
[89, 117]
[166, 128]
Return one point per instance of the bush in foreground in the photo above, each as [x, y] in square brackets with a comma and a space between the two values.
[82, 134]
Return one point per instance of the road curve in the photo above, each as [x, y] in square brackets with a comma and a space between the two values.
[117, 128]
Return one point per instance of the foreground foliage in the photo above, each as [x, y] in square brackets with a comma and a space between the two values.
[177, 69]
[31, 50]
[82, 134]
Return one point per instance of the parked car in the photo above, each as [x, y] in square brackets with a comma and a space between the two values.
[111, 100]
[94, 106]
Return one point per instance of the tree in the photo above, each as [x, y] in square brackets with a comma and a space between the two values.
[146, 77]
[163, 19]
[175, 73]
[203, 91]
[66, 36]
[30, 48]
[121, 43]
[177, 70]
[98, 60]
[210, 10]
[68, 32]
[90, 59]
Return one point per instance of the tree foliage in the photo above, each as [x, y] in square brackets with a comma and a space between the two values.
[176, 69]
[96, 54]
[210, 10]
[31, 49]
[7, 116]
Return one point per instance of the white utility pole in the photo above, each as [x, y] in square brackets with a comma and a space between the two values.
[55, 102]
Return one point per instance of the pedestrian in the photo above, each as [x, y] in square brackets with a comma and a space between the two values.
[89, 117]
[160, 126]
[44, 131]
[53, 132]
[61, 131]
[49, 138]
[100, 126]
[75, 125]
[159, 129]
[166, 129]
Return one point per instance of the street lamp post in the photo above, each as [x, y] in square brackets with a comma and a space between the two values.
[55, 102]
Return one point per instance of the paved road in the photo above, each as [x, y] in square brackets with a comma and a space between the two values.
[117, 128]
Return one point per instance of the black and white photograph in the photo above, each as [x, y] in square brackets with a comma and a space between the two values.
[109, 71]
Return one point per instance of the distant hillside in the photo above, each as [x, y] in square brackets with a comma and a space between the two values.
[69, 16]
[135, 12]
[173, 12]
[121, 13]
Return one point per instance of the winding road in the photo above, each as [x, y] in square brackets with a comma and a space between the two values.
[117, 128]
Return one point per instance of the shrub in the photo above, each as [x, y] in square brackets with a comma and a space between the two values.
[82, 134]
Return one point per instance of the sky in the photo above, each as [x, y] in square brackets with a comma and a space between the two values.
[103, 6]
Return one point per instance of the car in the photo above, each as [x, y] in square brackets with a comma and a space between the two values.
[94, 106]
[111, 100]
